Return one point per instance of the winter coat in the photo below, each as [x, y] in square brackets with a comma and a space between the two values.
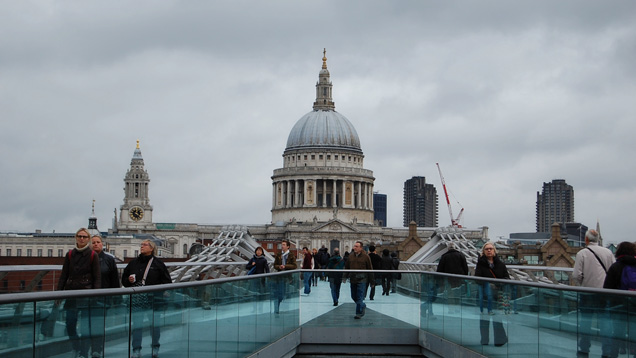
[359, 262]
[81, 271]
[453, 262]
[108, 269]
[157, 274]
[308, 262]
[615, 272]
[290, 264]
[261, 265]
[482, 269]
[336, 262]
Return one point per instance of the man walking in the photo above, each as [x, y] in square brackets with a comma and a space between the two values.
[308, 264]
[336, 262]
[283, 261]
[590, 269]
[453, 262]
[359, 260]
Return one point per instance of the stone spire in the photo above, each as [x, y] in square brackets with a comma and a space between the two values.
[324, 100]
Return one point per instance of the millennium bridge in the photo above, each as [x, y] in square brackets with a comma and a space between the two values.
[213, 309]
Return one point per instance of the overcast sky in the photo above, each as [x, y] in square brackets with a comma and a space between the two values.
[504, 95]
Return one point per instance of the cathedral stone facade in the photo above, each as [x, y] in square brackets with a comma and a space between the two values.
[322, 196]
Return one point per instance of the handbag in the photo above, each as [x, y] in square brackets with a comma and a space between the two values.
[252, 270]
[142, 300]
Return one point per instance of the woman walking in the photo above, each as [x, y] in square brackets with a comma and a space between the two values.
[145, 270]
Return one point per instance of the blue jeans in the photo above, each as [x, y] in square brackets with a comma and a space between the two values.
[357, 295]
[138, 316]
[78, 310]
[307, 281]
[485, 290]
[334, 284]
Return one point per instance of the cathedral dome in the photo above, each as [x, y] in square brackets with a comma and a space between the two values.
[323, 128]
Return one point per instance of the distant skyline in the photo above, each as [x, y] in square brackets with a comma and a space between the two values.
[505, 96]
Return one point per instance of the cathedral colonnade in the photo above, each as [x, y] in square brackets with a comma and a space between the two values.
[322, 193]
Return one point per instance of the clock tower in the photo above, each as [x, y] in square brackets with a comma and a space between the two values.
[136, 212]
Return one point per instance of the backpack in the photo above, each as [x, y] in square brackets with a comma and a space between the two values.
[628, 278]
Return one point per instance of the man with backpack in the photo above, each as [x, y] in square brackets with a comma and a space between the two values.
[590, 269]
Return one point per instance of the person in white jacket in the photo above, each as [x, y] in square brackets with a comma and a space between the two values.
[590, 268]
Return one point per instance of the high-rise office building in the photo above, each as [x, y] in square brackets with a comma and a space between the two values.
[420, 202]
[554, 204]
[379, 209]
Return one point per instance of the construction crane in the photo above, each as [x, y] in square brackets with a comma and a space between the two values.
[454, 222]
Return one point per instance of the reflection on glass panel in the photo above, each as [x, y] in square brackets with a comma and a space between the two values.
[16, 332]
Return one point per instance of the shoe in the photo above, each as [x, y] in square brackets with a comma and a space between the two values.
[96, 355]
[357, 316]
[582, 354]
[136, 353]
[335, 303]
[491, 313]
[155, 352]
[499, 344]
[364, 310]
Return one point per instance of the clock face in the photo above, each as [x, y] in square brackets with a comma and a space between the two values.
[136, 213]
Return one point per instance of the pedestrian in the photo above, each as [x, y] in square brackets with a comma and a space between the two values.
[81, 271]
[109, 279]
[590, 268]
[308, 264]
[622, 276]
[283, 261]
[453, 262]
[336, 262]
[386, 264]
[359, 260]
[397, 275]
[376, 262]
[258, 263]
[489, 265]
[146, 270]
[315, 265]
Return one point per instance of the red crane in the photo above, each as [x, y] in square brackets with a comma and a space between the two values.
[454, 222]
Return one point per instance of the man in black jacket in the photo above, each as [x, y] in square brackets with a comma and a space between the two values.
[453, 262]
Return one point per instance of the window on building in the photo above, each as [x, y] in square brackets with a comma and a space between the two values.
[343, 157]
[49, 252]
[112, 252]
[531, 259]
[185, 249]
[8, 252]
[320, 157]
[305, 156]
[125, 253]
[39, 252]
[270, 246]
[136, 253]
[313, 157]
[60, 252]
[349, 158]
[328, 156]
[279, 246]
[0, 252]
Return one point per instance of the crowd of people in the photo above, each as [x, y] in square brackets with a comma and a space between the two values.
[87, 266]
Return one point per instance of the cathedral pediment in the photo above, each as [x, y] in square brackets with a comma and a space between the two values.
[334, 225]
